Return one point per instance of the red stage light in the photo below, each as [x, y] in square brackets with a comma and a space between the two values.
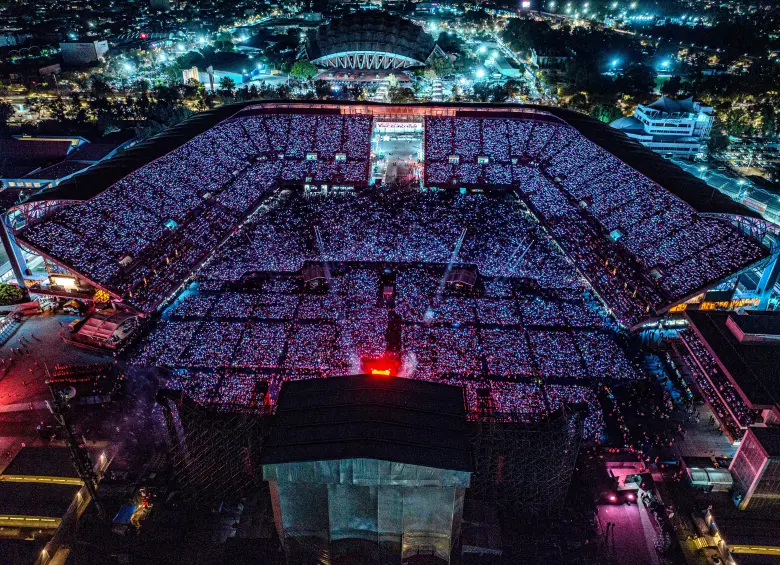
[384, 366]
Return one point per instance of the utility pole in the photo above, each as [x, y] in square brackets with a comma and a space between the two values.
[79, 455]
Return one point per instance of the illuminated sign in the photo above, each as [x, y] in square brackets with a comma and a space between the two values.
[341, 156]
[740, 303]
[383, 372]
[754, 204]
[483, 160]
[311, 156]
[454, 159]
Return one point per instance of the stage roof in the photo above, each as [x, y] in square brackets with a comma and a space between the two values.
[369, 417]
[752, 367]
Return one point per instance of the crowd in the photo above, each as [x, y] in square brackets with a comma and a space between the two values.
[720, 392]
[144, 235]
[662, 251]
[385, 225]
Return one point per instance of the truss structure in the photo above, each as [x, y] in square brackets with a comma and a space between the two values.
[525, 467]
[213, 454]
[366, 60]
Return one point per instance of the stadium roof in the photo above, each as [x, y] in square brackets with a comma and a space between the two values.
[36, 499]
[752, 367]
[363, 416]
[769, 438]
[374, 31]
[42, 461]
[701, 196]
[685, 186]
[21, 156]
[104, 174]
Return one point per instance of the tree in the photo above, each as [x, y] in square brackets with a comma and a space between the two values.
[637, 80]
[718, 141]
[438, 67]
[303, 69]
[6, 113]
[606, 113]
[672, 86]
[9, 294]
[399, 95]
[227, 84]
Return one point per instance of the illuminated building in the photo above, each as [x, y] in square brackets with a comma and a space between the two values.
[756, 469]
[369, 45]
[670, 127]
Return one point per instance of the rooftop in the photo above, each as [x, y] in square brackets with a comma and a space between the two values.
[752, 367]
[42, 462]
[769, 438]
[361, 416]
[36, 499]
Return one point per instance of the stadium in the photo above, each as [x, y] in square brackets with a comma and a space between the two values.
[369, 41]
[501, 249]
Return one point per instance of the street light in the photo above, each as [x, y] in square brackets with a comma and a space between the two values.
[480, 73]
[483, 49]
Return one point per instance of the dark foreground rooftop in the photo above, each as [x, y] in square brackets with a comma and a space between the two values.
[42, 462]
[752, 367]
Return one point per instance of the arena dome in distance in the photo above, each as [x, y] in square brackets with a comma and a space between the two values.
[369, 41]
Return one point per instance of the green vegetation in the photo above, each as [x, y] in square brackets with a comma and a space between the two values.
[10, 294]
[303, 69]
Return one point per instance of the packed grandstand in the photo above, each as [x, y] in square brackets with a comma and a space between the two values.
[570, 245]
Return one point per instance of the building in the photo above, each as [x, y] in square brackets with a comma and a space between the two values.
[505, 67]
[369, 43]
[756, 469]
[670, 127]
[237, 67]
[368, 466]
[549, 58]
[79, 54]
[22, 159]
[40, 490]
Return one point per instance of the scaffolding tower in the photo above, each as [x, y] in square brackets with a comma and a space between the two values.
[212, 453]
[525, 466]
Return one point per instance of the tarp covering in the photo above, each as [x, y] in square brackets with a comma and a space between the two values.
[373, 508]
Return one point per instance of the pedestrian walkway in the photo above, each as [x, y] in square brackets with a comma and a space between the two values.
[629, 536]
